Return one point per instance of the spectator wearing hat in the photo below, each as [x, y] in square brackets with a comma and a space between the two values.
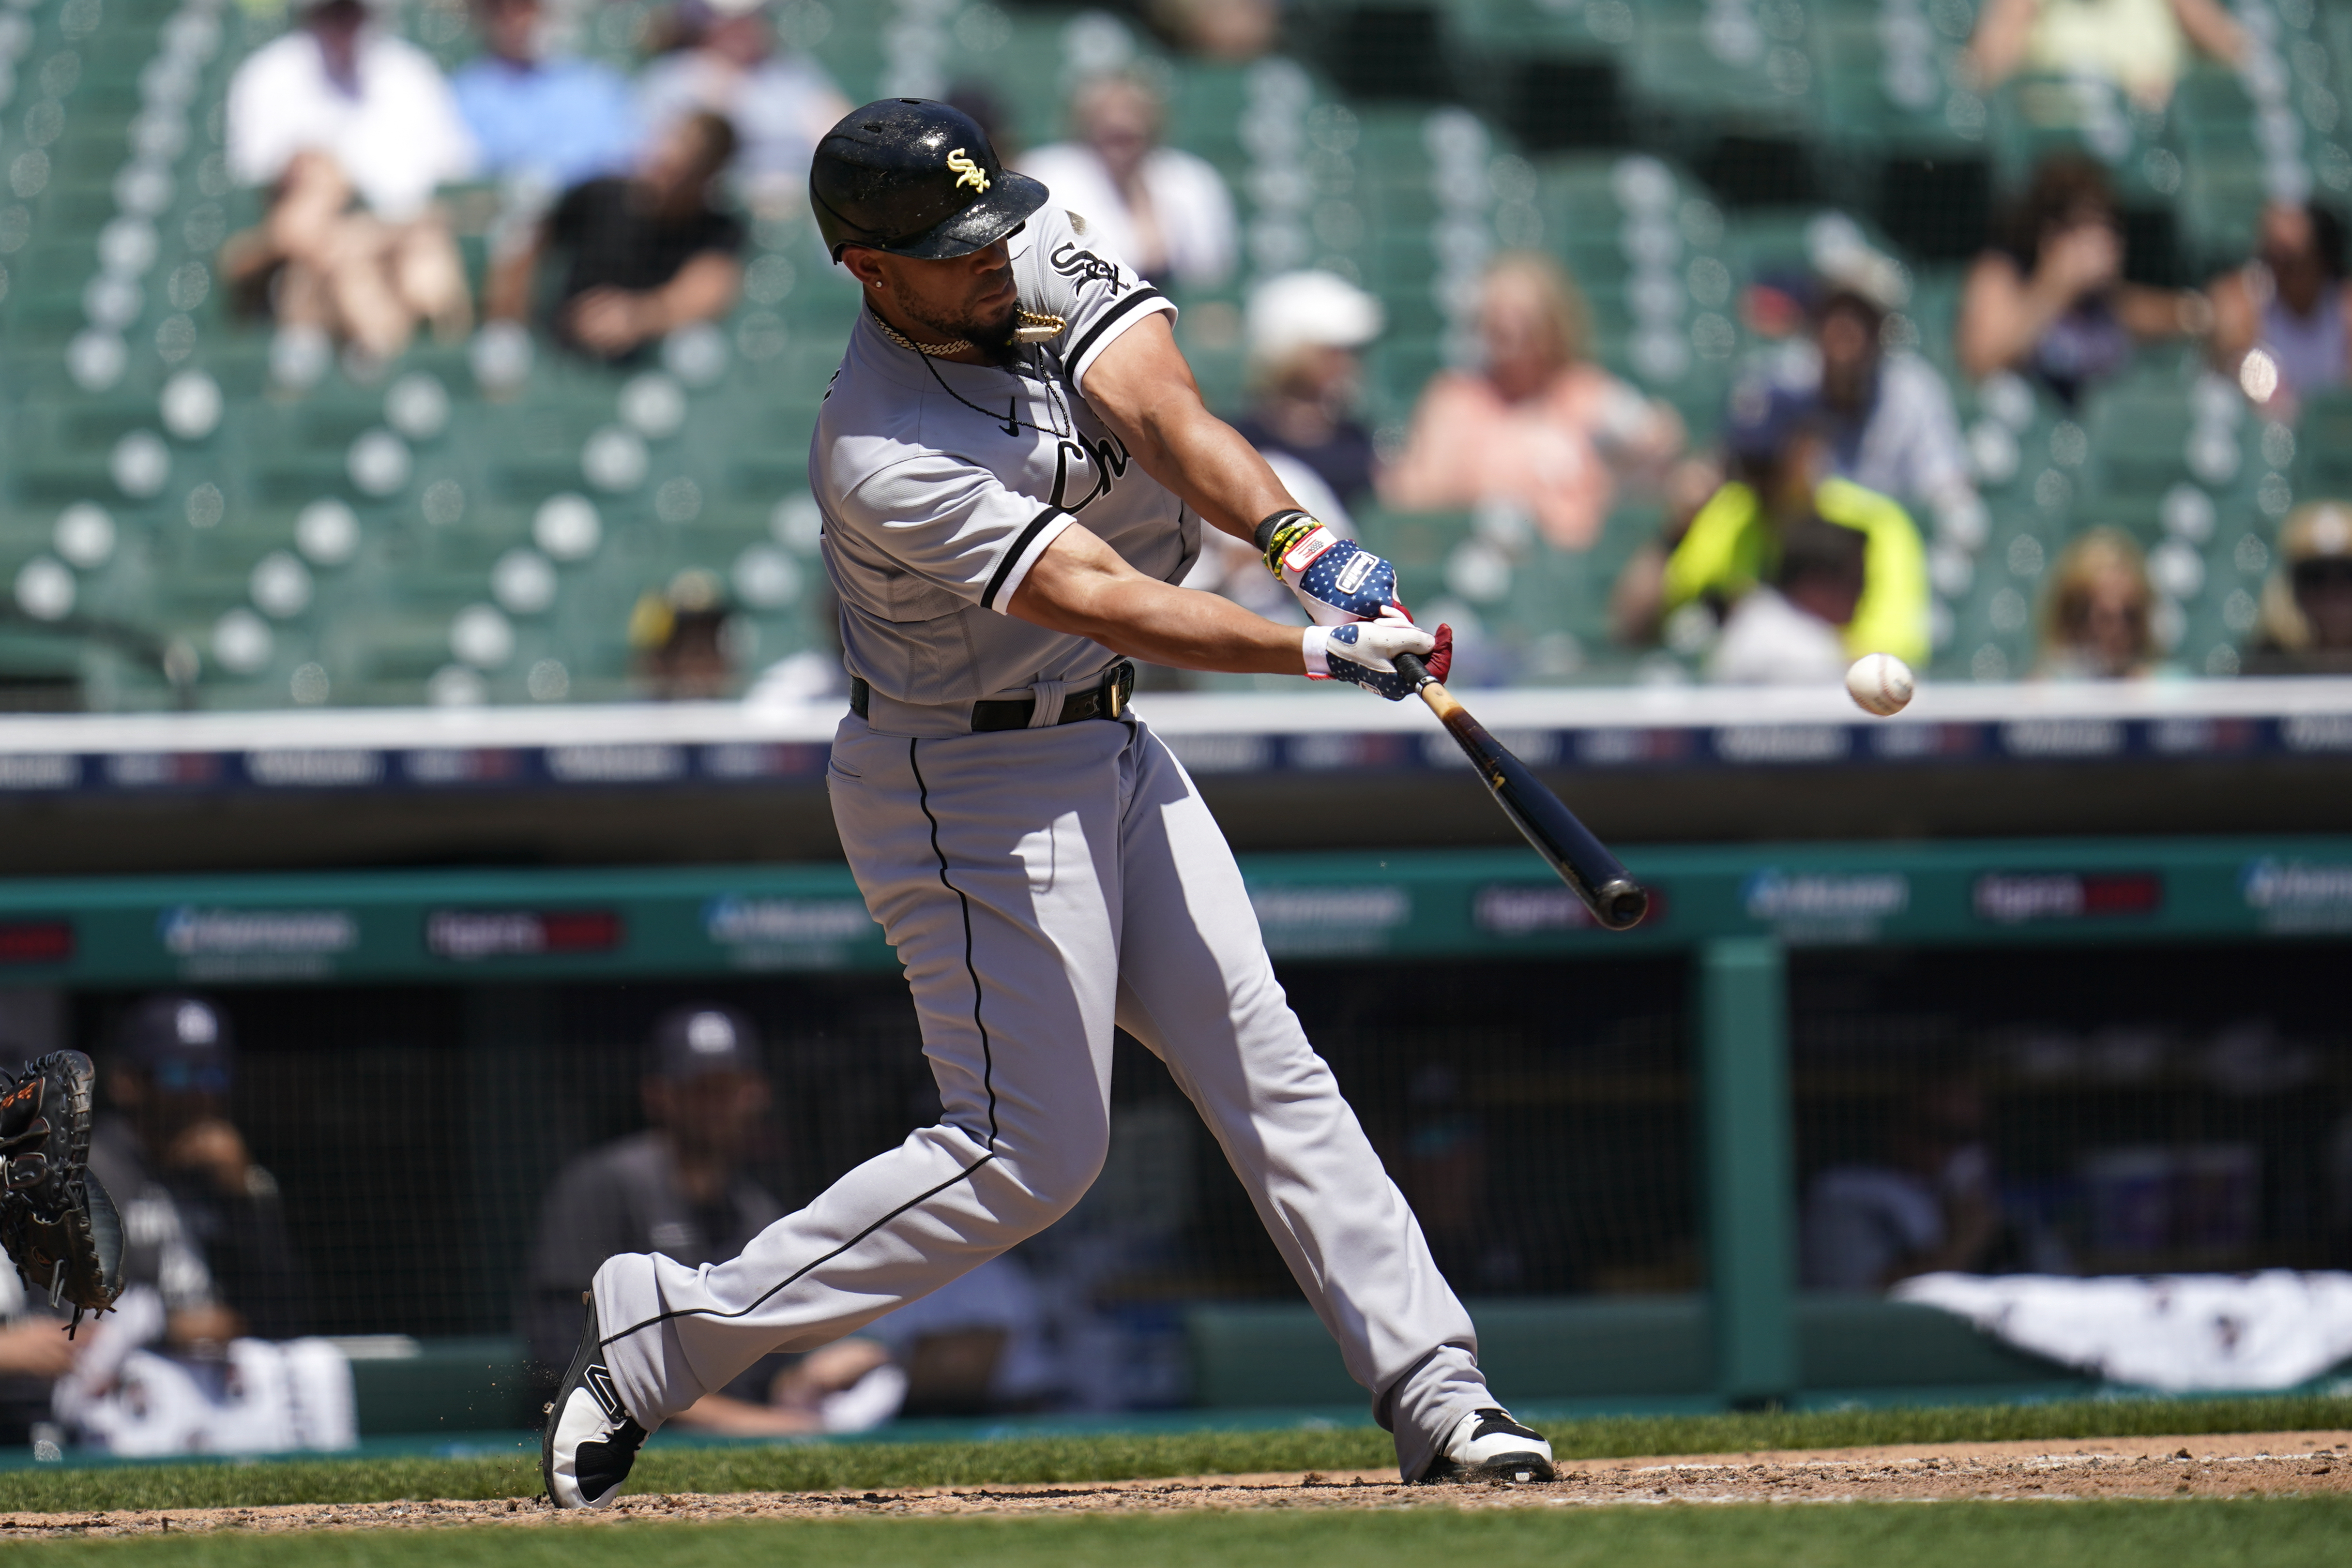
[1304, 330]
[549, 121]
[780, 101]
[2306, 610]
[1538, 426]
[1164, 212]
[1306, 371]
[1784, 481]
[679, 632]
[642, 257]
[352, 130]
[1888, 417]
[2289, 304]
[679, 1188]
[206, 1227]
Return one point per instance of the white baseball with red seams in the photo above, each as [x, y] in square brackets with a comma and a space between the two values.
[1880, 683]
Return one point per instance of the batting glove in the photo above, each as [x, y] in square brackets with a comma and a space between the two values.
[1338, 581]
[1365, 653]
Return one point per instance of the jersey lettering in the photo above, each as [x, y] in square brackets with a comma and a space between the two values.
[1071, 262]
[1109, 459]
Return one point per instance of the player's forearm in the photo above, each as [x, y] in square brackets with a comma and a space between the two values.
[1186, 630]
[1081, 586]
[1144, 391]
[1219, 475]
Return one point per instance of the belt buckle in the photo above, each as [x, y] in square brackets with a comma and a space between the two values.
[1118, 685]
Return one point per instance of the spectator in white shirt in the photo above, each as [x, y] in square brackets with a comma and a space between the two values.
[1165, 212]
[353, 131]
[375, 105]
[780, 102]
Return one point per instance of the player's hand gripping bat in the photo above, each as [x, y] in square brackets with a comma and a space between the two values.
[1584, 861]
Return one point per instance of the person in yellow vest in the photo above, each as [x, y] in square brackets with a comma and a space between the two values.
[1734, 543]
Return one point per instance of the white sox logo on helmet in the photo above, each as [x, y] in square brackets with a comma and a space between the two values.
[966, 172]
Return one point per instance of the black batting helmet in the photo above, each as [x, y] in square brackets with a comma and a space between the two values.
[917, 178]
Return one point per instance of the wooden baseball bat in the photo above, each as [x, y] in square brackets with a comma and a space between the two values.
[1583, 861]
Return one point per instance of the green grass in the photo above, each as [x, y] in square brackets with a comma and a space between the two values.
[819, 1466]
[2237, 1534]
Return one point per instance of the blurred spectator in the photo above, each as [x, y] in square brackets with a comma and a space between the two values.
[1790, 629]
[551, 123]
[679, 1188]
[1229, 31]
[2306, 620]
[340, 86]
[1736, 541]
[1305, 329]
[2096, 624]
[1164, 212]
[680, 635]
[2052, 301]
[976, 1344]
[642, 257]
[780, 102]
[1887, 416]
[206, 1227]
[1926, 1203]
[2289, 303]
[2141, 45]
[1540, 424]
[352, 130]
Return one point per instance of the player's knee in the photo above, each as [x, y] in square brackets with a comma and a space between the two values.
[1056, 1175]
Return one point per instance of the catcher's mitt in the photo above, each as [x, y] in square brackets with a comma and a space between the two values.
[57, 1223]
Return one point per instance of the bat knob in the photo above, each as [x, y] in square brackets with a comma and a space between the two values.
[1621, 904]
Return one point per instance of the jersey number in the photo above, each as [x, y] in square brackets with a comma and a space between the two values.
[1108, 460]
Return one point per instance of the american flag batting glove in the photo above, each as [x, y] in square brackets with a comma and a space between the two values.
[1337, 580]
[1364, 654]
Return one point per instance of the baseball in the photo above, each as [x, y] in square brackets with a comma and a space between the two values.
[1880, 684]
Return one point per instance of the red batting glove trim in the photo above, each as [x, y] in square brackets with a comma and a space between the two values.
[1440, 659]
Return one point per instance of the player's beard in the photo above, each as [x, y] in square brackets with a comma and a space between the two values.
[994, 340]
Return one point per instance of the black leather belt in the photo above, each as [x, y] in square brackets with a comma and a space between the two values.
[1105, 699]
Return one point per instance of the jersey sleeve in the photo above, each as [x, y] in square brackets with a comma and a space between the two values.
[954, 524]
[1098, 295]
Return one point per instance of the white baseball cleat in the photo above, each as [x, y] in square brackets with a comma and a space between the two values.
[1489, 1445]
[591, 1439]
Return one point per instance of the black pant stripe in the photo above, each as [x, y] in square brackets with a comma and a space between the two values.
[987, 1078]
[987, 1055]
[797, 1274]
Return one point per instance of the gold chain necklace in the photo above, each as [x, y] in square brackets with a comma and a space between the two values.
[1033, 327]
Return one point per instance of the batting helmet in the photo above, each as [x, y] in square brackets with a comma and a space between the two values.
[917, 178]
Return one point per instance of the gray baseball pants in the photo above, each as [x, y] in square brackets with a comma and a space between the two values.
[1041, 886]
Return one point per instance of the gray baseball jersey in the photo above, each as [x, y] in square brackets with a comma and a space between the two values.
[942, 484]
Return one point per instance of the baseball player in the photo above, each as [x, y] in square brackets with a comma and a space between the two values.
[1014, 466]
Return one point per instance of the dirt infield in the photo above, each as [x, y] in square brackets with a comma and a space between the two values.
[2260, 1464]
